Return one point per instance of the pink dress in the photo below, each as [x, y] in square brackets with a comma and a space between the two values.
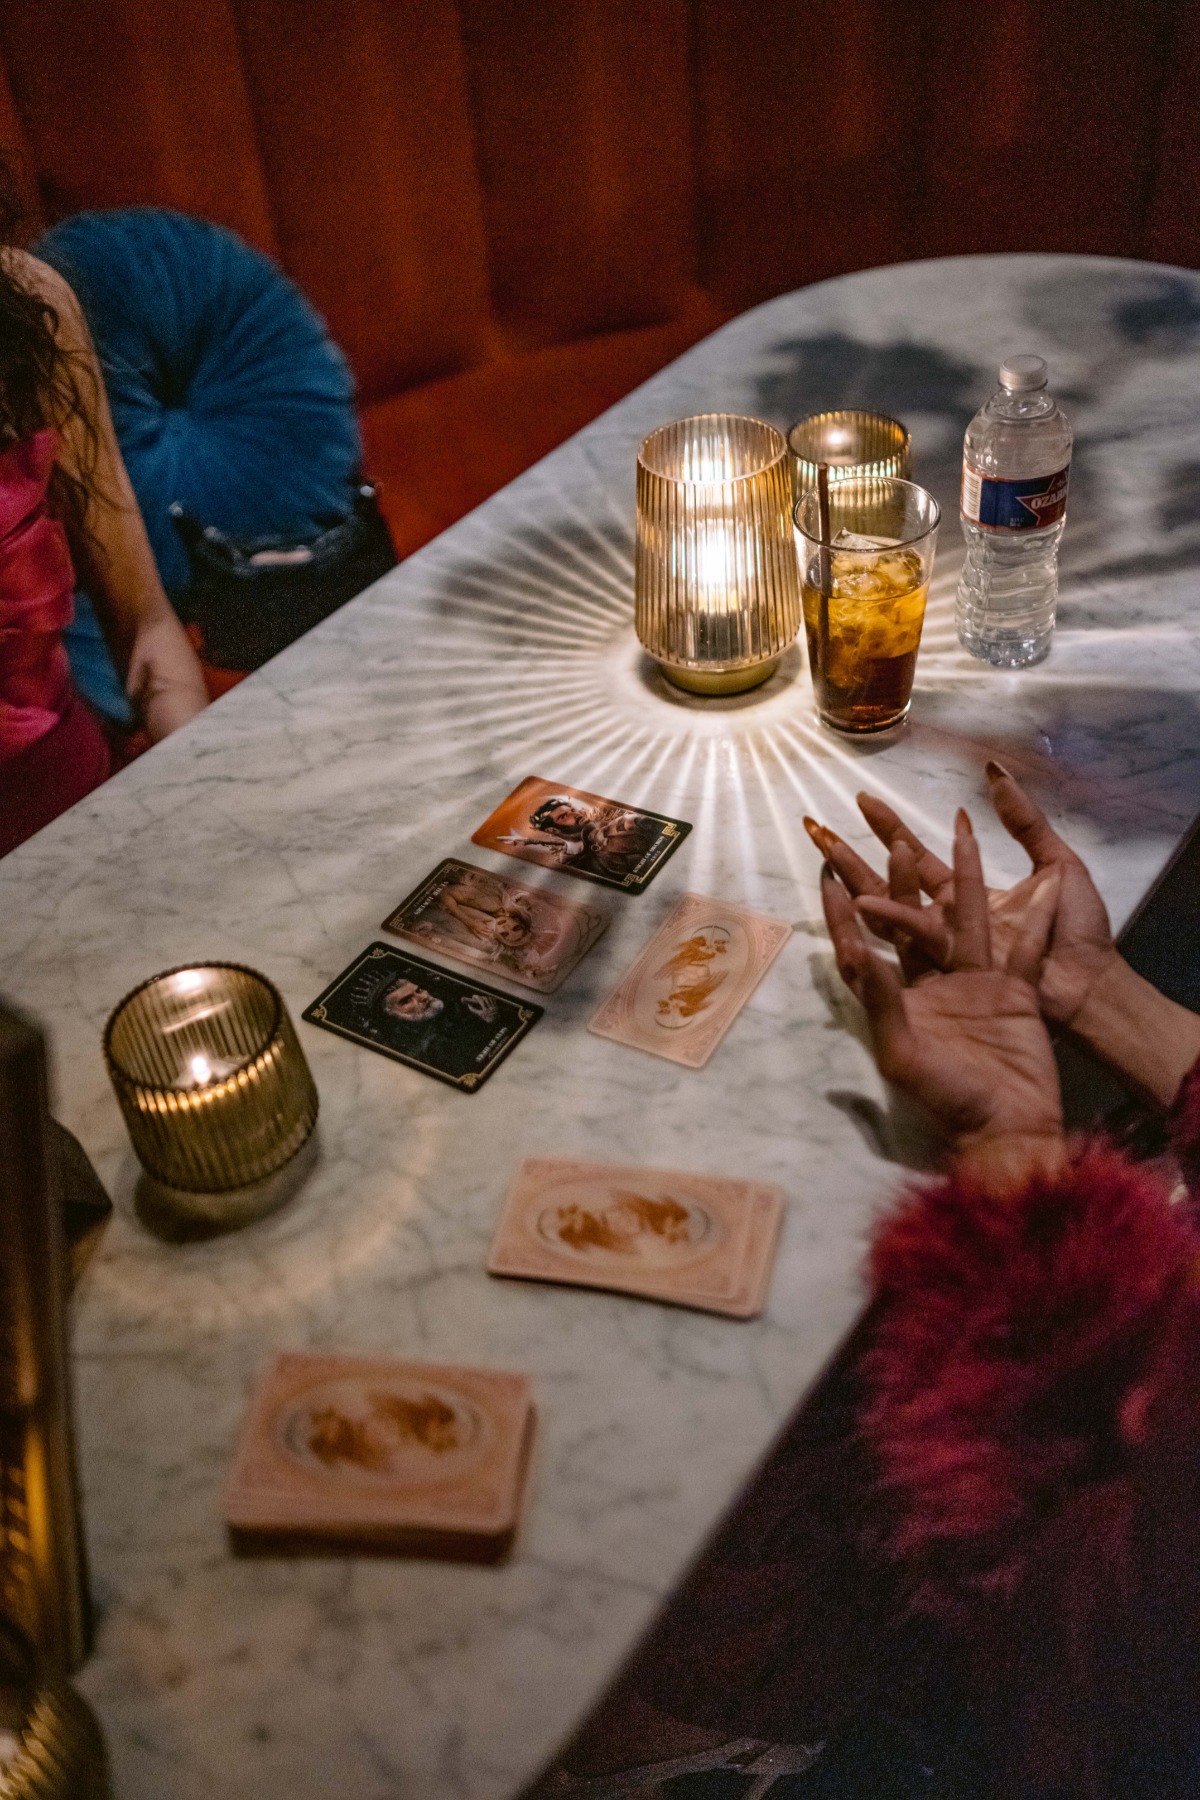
[52, 751]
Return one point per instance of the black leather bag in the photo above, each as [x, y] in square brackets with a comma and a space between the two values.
[252, 597]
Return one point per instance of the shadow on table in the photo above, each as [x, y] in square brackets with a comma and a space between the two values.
[1125, 758]
[1103, 313]
[567, 572]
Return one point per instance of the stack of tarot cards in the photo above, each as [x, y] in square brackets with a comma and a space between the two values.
[346, 1453]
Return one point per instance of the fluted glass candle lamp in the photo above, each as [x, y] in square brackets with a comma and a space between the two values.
[718, 596]
[214, 1086]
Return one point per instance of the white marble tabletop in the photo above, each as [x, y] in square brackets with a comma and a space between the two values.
[281, 826]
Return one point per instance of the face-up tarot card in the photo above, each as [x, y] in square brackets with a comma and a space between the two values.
[582, 834]
[691, 981]
[532, 935]
[443, 1024]
[360, 1452]
[692, 1240]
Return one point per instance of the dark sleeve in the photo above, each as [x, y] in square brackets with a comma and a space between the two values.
[1015, 1353]
[1184, 1125]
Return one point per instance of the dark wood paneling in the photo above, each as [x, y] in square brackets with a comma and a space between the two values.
[19, 165]
[365, 135]
[126, 102]
[583, 131]
[1041, 124]
[807, 140]
[459, 183]
[1173, 227]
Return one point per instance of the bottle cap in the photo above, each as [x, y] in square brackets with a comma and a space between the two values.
[1023, 374]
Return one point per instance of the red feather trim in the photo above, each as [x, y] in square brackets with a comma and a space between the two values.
[1016, 1339]
[1184, 1122]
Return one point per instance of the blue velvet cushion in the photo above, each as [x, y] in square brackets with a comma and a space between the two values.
[226, 391]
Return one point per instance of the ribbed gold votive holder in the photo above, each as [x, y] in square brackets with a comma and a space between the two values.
[51, 1747]
[214, 1087]
[718, 595]
[857, 445]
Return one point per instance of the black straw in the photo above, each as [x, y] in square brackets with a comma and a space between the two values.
[824, 565]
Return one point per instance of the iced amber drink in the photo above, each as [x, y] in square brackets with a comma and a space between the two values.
[864, 595]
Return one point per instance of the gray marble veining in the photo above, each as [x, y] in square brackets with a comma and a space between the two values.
[283, 824]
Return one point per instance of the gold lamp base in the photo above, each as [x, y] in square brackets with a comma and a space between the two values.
[58, 1754]
[714, 682]
[51, 1747]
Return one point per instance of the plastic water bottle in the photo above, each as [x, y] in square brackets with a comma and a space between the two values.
[1016, 461]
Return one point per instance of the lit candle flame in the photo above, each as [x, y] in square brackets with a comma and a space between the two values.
[201, 1070]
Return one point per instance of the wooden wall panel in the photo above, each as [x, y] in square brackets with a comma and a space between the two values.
[364, 122]
[1041, 124]
[456, 182]
[807, 139]
[20, 168]
[1173, 224]
[583, 131]
[127, 101]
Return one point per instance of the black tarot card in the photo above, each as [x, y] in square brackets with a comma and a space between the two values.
[445, 1025]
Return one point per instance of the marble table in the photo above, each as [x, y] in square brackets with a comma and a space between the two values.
[282, 825]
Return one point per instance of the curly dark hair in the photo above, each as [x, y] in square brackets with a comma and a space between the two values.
[40, 382]
[543, 819]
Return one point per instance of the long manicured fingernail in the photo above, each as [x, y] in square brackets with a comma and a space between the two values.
[827, 872]
[818, 833]
[996, 771]
[962, 823]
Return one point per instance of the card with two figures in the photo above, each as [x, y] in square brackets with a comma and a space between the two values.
[532, 936]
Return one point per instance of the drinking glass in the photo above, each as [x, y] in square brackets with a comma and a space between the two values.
[863, 596]
[855, 445]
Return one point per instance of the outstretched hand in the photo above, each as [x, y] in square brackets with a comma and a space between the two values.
[967, 1042]
[1080, 949]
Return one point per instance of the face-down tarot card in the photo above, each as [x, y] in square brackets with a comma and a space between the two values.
[690, 982]
[693, 1240]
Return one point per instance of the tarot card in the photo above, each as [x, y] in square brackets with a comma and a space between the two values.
[362, 1452]
[693, 1240]
[455, 1029]
[532, 935]
[691, 981]
[582, 834]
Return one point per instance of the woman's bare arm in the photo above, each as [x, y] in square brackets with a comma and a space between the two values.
[114, 561]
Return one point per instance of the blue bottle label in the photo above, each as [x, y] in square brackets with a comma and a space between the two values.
[1026, 505]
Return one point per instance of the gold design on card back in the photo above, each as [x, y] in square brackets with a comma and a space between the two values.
[383, 1432]
[618, 1227]
[688, 983]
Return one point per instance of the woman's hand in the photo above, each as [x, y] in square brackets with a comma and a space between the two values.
[1081, 949]
[967, 1043]
[1082, 983]
[164, 682]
